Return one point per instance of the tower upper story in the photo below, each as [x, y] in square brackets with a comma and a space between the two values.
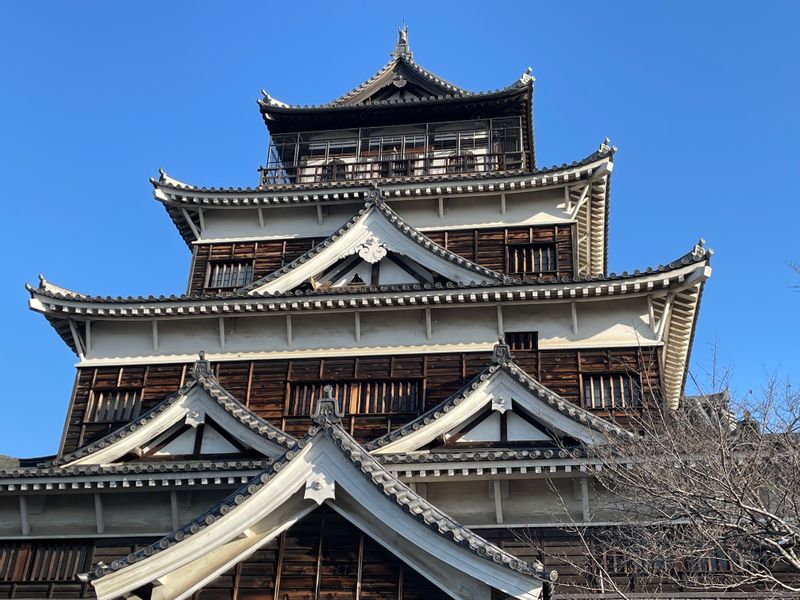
[403, 122]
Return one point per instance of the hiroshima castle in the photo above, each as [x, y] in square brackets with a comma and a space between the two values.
[381, 381]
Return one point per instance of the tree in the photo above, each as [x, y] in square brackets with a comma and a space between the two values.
[705, 497]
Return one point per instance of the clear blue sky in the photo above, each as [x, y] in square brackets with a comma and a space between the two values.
[701, 99]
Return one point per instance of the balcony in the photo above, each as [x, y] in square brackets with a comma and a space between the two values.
[456, 147]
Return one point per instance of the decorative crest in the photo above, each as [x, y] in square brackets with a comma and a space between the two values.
[402, 48]
[502, 352]
[327, 408]
[375, 195]
[371, 250]
[201, 365]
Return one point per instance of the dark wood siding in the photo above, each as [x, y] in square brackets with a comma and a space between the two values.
[487, 247]
[266, 386]
[323, 557]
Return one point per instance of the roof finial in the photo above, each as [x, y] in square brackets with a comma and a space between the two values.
[327, 408]
[402, 48]
[201, 365]
[501, 352]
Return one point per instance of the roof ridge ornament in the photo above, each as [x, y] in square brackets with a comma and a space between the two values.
[202, 366]
[501, 352]
[401, 48]
[327, 410]
[527, 76]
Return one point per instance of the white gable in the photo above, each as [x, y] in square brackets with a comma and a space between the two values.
[373, 235]
[510, 394]
[321, 472]
[187, 415]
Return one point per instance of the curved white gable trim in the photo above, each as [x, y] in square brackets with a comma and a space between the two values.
[195, 404]
[320, 472]
[372, 229]
[496, 392]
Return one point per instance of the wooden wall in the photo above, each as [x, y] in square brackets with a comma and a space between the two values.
[265, 386]
[487, 247]
[323, 557]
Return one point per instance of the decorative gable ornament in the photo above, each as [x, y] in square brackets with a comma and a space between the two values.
[372, 250]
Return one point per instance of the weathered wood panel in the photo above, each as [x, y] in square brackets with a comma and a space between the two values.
[487, 247]
[266, 386]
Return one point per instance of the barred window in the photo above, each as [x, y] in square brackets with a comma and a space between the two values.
[117, 404]
[357, 397]
[611, 390]
[230, 274]
[61, 561]
[531, 258]
[522, 340]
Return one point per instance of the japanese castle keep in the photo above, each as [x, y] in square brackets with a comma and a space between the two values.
[386, 350]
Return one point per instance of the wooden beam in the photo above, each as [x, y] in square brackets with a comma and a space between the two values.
[498, 501]
[23, 516]
[155, 334]
[574, 309]
[261, 217]
[289, 329]
[191, 224]
[651, 313]
[428, 324]
[222, 332]
[441, 208]
[581, 201]
[76, 339]
[662, 322]
[320, 215]
[202, 220]
[585, 499]
[357, 325]
[173, 508]
[87, 326]
[98, 514]
[500, 328]
[503, 203]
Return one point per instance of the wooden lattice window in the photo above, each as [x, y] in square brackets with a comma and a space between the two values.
[611, 390]
[229, 274]
[531, 258]
[60, 561]
[113, 405]
[522, 340]
[357, 397]
[334, 170]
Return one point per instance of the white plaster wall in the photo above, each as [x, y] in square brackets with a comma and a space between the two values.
[61, 514]
[522, 208]
[10, 522]
[121, 338]
[143, 512]
[603, 323]
[469, 502]
[617, 322]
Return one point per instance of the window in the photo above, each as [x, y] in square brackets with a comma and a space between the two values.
[230, 274]
[112, 405]
[357, 397]
[611, 390]
[461, 163]
[334, 170]
[60, 561]
[531, 258]
[522, 340]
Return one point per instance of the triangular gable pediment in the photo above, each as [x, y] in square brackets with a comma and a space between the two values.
[502, 405]
[380, 248]
[200, 420]
[332, 468]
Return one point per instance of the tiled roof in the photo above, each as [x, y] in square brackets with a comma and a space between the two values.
[320, 298]
[553, 400]
[201, 375]
[415, 505]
